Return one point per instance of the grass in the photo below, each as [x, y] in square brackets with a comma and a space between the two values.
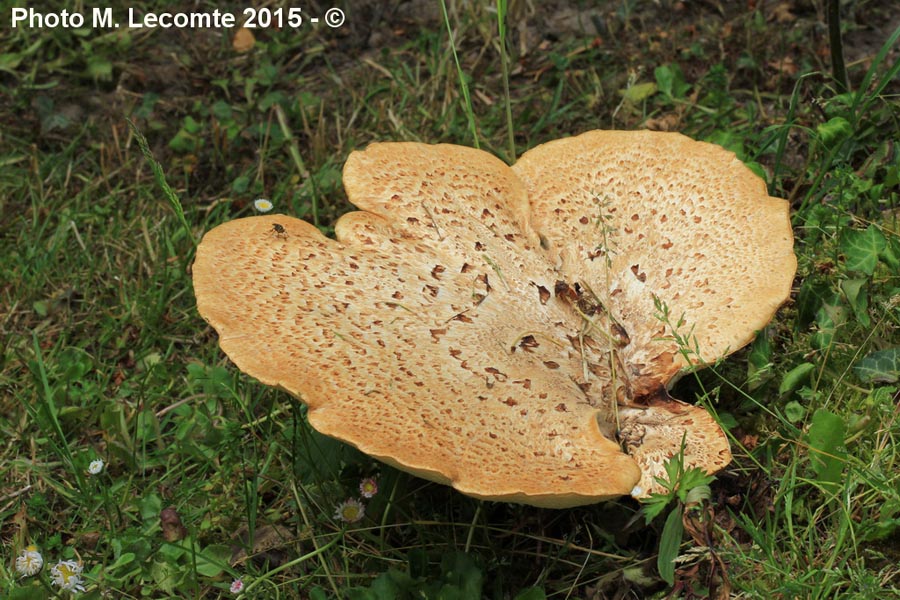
[103, 356]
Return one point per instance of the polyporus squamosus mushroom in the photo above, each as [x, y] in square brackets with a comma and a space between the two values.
[496, 328]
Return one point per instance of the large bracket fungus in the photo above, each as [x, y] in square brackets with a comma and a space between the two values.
[499, 328]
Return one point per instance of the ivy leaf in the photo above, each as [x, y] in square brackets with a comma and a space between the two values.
[858, 298]
[862, 248]
[828, 319]
[812, 297]
[882, 366]
[759, 361]
[891, 253]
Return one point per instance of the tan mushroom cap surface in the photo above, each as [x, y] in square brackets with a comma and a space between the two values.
[651, 219]
[433, 333]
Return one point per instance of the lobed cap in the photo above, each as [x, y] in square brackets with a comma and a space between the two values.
[495, 328]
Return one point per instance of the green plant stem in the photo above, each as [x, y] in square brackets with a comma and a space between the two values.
[472, 526]
[318, 549]
[504, 65]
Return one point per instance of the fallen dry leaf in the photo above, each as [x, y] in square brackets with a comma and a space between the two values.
[243, 40]
[172, 527]
[782, 13]
[269, 545]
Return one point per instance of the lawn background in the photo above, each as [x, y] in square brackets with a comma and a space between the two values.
[211, 476]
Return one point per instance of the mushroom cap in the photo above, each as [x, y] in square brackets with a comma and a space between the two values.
[687, 224]
[439, 331]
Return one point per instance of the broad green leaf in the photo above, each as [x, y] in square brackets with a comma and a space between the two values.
[30, 590]
[99, 68]
[150, 506]
[862, 248]
[812, 297]
[418, 563]
[829, 317]
[669, 543]
[858, 297]
[41, 308]
[533, 593]
[11, 60]
[391, 584]
[317, 593]
[834, 131]
[728, 140]
[358, 593]
[757, 168]
[826, 441]
[727, 421]
[240, 184]
[639, 92]
[794, 411]
[212, 561]
[891, 253]
[221, 110]
[670, 81]
[460, 571]
[882, 366]
[192, 125]
[698, 493]
[165, 575]
[183, 142]
[795, 377]
[123, 560]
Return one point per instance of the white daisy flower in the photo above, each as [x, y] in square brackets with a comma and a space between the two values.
[95, 467]
[30, 563]
[350, 511]
[67, 575]
[262, 205]
[368, 487]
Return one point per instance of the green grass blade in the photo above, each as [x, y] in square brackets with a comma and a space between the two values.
[504, 65]
[463, 86]
[294, 151]
[160, 178]
[62, 448]
[863, 97]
